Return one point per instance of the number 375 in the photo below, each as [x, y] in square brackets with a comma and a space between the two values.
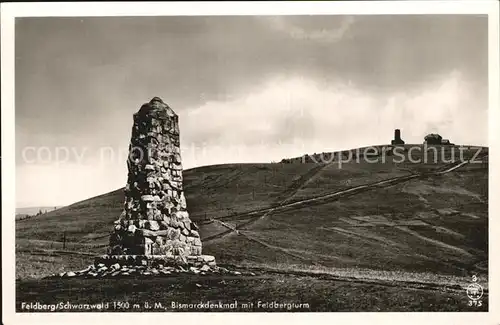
[476, 303]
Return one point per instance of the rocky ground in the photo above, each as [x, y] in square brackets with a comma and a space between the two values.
[115, 270]
[264, 292]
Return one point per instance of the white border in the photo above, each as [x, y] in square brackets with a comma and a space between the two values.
[11, 10]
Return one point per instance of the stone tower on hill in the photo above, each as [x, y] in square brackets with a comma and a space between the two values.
[397, 138]
[155, 220]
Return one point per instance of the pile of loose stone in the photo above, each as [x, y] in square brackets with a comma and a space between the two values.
[131, 265]
[102, 271]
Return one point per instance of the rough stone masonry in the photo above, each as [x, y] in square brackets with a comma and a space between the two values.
[155, 220]
[154, 229]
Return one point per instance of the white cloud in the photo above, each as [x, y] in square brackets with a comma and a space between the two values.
[323, 35]
[331, 117]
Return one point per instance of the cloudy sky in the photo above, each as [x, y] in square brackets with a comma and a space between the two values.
[246, 89]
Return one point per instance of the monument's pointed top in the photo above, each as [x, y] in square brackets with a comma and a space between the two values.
[157, 107]
[156, 99]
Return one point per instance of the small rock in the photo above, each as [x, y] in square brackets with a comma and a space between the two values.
[208, 258]
[205, 268]
[115, 273]
[115, 266]
[146, 273]
[88, 268]
[147, 198]
[70, 274]
[125, 273]
[236, 273]
[152, 225]
[198, 285]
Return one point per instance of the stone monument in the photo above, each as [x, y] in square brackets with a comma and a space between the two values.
[155, 222]
[154, 235]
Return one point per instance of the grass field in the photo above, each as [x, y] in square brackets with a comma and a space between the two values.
[429, 227]
[314, 293]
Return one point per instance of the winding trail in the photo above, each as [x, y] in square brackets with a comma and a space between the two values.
[346, 192]
[321, 199]
[284, 197]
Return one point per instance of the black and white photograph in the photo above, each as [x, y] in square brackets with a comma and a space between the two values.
[251, 162]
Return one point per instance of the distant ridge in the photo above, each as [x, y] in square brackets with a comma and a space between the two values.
[376, 150]
[34, 210]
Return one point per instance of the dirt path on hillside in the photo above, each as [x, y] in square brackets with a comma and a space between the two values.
[240, 230]
[299, 183]
[284, 197]
[321, 199]
[289, 193]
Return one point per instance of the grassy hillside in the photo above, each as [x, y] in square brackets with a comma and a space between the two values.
[380, 236]
[435, 224]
